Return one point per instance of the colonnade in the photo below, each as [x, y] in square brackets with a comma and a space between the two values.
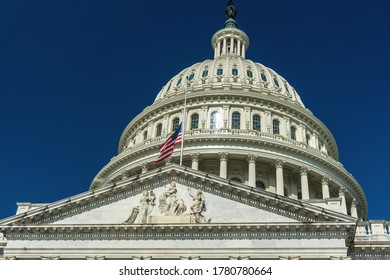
[279, 171]
[230, 45]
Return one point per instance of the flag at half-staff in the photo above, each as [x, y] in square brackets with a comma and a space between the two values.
[166, 149]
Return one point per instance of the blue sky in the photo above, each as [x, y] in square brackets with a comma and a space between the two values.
[73, 74]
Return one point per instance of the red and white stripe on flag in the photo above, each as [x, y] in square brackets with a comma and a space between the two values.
[166, 149]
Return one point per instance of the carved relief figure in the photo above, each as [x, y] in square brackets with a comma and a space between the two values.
[169, 204]
[140, 213]
[198, 207]
[146, 205]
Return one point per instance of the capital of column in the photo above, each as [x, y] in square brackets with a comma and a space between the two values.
[342, 191]
[252, 158]
[195, 157]
[279, 163]
[223, 156]
[354, 203]
[325, 180]
[303, 171]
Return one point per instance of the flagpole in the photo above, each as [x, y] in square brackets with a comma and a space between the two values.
[183, 123]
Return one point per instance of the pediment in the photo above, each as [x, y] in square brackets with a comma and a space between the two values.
[173, 195]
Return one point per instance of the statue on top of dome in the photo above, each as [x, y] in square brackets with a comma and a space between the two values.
[231, 11]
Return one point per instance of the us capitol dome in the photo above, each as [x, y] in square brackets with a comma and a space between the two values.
[245, 123]
[260, 178]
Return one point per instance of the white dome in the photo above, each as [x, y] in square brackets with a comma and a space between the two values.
[218, 73]
[244, 122]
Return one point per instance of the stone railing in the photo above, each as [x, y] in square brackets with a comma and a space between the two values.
[373, 229]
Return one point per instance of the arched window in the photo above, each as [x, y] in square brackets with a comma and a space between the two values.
[256, 124]
[293, 132]
[249, 73]
[286, 87]
[145, 135]
[260, 185]
[276, 82]
[169, 87]
[194, 121]
[175, 123]
[159, 130]
[179, 82]
[275, 127]
[263, 77]
[205, 73]
[214, 120]
[236, 120]
[191, 77]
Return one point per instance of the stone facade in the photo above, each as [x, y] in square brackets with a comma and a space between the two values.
[260, 179]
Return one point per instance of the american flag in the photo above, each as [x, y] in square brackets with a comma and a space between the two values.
[166, 149]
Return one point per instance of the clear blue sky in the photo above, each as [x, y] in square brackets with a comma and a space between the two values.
[73, 74]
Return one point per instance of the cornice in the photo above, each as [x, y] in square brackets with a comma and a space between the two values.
[182, 231]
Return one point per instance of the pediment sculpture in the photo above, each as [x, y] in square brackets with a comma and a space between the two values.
[171, 207]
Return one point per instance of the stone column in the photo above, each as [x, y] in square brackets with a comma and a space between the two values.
[223, 157]
[195, 161]
[224, 46]
[219, 48]
[279, 176]
[343, 201]
[354, 208]
[325, 187]
[145, 167]
[304, 183]
[239, 47]
[252, 170]
[243, 50]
